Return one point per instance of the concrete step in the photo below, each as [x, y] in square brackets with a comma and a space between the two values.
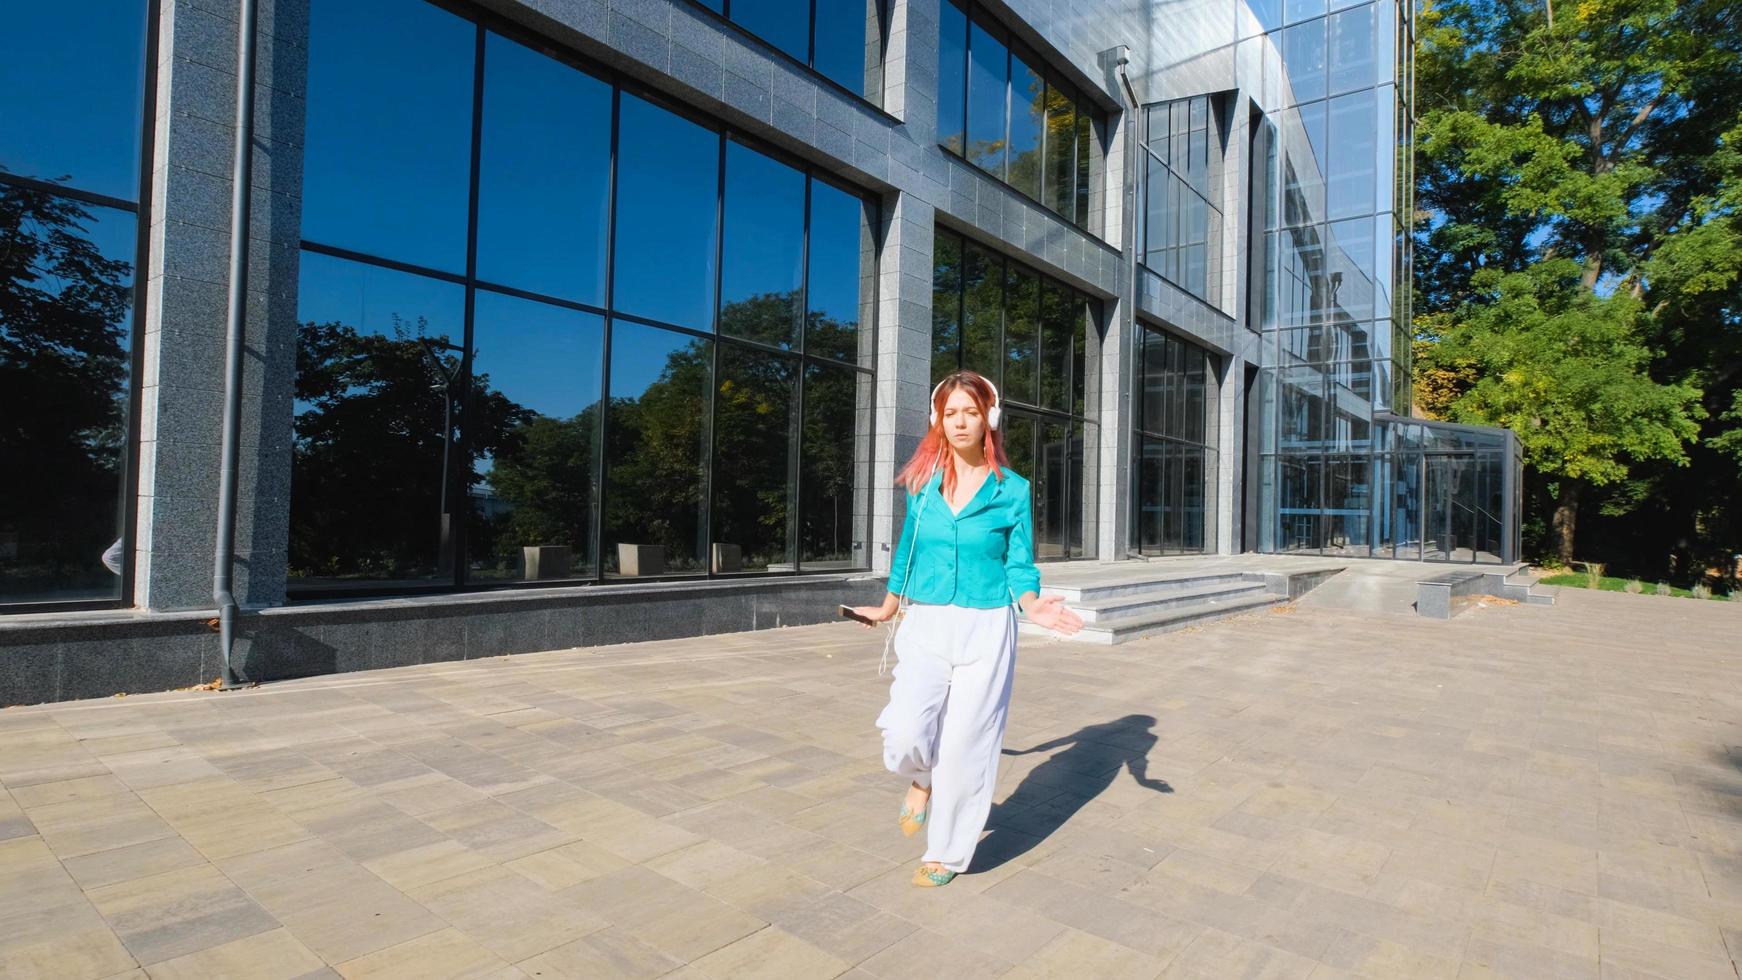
[1088, 593]
[1136, 604]
[1521, 585]
[1161, 621]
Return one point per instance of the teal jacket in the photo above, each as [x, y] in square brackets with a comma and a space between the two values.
[982, 558]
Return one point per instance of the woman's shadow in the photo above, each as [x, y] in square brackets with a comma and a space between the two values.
[1057, 788]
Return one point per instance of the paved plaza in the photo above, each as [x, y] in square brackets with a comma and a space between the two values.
[1524, 791]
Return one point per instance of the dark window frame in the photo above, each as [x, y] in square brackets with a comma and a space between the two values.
[141, 209]
[485, 22]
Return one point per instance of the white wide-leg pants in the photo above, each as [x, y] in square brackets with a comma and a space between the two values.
[944, 724]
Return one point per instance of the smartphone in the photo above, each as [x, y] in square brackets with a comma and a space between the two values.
[848, 613]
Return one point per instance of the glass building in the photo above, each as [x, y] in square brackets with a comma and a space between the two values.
[566, 325]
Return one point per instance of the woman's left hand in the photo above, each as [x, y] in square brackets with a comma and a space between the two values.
[1051, 612]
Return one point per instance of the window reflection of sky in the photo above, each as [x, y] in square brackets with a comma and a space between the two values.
[70, 78]
[543, 189]
[836, 221]
[667, 201]
[545, 358]
[389, 141]
[764, 247]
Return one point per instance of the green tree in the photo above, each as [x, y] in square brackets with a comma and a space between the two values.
[366, 475]
[64, 312]
[1565, 370]
[1565, 165]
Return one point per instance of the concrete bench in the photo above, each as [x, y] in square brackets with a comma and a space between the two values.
[1449, 593]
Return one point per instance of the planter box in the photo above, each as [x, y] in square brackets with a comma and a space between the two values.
[641, 559]
[728, 557]
[544, 561]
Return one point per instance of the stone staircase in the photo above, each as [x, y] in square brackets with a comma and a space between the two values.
[1449, 593]
[1136, 600]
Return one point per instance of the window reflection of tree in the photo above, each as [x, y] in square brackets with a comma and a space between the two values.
[366, 477]
[63, 381]
[369, 445]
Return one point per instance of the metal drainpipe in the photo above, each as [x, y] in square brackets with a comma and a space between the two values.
[235, 315]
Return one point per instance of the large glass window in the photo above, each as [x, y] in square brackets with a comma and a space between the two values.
[71, 78]
[1338, 474]
[533, 485]
[671, 379]
[655, 450]
[667, 216]
[1027, 120]
[379, 376]
[1174, 445]
[847, 43]
[387, 154]
[543, 190]
[837, 291]
[834, 498]
[72, 109]
[763, 268]
[1001, 110]
[988, 98]
[842, 40]
[1030, 335]
[1182, 214]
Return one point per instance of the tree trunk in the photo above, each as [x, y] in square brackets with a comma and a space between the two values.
[1566, 519]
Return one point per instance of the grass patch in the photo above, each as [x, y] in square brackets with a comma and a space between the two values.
[1608, 583]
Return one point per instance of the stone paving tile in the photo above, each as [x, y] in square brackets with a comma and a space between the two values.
[497, 909]
[771, 953]
[274, 955]
[173, 914]
[447, 953]
[1514, 793]
[70, 940]
[609, 952]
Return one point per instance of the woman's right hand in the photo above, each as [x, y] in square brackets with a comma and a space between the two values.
[876, 614]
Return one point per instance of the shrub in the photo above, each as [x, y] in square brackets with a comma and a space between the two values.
[1702, 591]
[1634, 586]
[1593, 575]
[1663, 589]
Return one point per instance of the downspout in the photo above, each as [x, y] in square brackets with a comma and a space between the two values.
[235, 314]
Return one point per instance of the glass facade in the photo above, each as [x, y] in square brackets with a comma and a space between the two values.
[1001, 110]
[553, 326]
[1174, 444]
[1182, 195]
[73, 83]
[1343, 470]
[1030, 335]
[841, 39]
[559, 331]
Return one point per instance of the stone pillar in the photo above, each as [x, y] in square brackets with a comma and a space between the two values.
[904, 280]
[182, 384]
[1229, 487]
[1116, 349]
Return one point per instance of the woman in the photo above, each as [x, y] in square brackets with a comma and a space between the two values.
[966, 552]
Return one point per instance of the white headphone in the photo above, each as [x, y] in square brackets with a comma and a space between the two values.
[992, 415]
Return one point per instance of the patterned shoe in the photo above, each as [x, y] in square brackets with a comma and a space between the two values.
[925, 877]
[911, 822]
